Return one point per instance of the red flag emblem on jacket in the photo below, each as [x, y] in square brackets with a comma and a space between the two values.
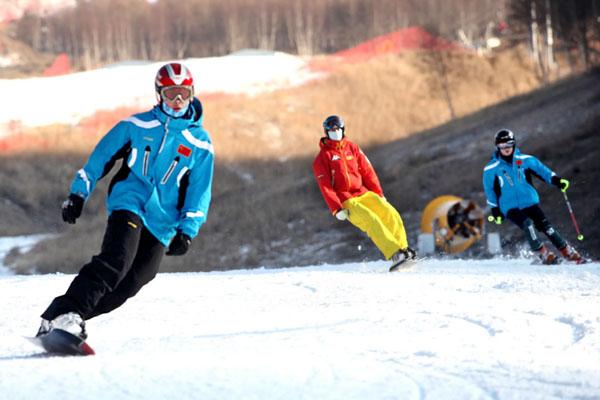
[184, 151]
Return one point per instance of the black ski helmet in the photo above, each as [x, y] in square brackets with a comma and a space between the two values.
[332, 122]
[504, 136]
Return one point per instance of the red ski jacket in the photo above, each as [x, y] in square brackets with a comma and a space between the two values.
[343, 172]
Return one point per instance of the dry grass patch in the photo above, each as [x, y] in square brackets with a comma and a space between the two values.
[382, 100]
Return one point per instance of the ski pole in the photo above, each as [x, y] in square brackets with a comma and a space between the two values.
[579, 235]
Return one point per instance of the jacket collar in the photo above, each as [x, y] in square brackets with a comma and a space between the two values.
[498, 157]
[194, 118]
[328, 144]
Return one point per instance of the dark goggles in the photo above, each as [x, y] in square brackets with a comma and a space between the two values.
[506, 145]
[171, 93]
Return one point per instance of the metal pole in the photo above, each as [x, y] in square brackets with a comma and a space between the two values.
[579, 235]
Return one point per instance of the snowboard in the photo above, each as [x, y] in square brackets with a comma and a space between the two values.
[61, 342]
[405, 265]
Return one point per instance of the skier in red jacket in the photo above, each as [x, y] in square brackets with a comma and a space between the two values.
[352, 191]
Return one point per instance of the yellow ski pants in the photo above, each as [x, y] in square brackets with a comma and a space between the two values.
[379, 220]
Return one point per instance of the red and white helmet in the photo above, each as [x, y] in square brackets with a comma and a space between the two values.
[173, 74]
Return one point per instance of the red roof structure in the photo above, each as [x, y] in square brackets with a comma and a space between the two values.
[60, 66]
[413, 38]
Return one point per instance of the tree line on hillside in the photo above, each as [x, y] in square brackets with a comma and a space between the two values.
[570, 27]
[98, 32]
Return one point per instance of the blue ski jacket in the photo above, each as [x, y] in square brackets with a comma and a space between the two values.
[166, 173]
[509, 186]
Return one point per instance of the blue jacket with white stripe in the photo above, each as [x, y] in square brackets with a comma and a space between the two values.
[166, 174]
[509, 185]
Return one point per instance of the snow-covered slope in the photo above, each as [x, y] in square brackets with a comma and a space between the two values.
[69, 98]
[444, 330]
[22, 244]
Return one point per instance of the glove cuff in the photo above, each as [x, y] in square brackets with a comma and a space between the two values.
[186, 238]
[341, 214]
[76, 199]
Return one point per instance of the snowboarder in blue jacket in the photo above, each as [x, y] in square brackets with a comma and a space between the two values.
[508, 185]
[157, 200]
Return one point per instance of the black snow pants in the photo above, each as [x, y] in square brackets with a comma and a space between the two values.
[129, 259]
[531, 218]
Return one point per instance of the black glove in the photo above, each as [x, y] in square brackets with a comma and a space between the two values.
[71, 208]
[497, 216]
[179, 245]
[560, 183]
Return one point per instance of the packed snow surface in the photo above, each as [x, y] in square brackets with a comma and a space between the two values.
[497, 329]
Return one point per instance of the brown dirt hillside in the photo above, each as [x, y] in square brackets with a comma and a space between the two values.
[384, 99]
[26, 61]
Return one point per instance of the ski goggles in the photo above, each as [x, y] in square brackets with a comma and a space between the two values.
[507, 145]
[171, 93]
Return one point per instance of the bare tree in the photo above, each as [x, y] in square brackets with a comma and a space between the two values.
[554, 25]
[550, 61]
[266, 27]
[437, 61]
[234, 26]
[577, 12]
[304, 26]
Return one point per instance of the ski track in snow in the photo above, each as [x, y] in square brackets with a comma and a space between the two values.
[447, 329]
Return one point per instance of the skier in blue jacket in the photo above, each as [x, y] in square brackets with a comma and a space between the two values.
[507, 181]
[157, 200]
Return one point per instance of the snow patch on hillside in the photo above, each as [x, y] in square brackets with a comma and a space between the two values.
[67, 99]
[21, 244]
